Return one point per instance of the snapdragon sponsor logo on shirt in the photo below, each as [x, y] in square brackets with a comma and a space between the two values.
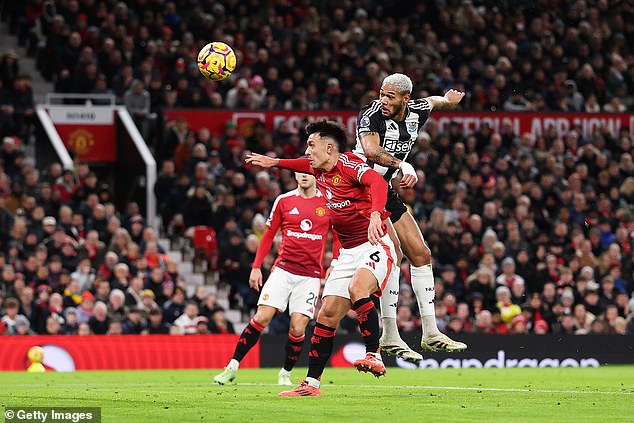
[304, 235]
[339, 205]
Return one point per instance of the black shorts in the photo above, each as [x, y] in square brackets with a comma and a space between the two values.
[395, 205]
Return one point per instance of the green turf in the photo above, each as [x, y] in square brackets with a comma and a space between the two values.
[575, 395]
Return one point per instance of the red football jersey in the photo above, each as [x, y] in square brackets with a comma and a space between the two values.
[304, 223]
[349, 200]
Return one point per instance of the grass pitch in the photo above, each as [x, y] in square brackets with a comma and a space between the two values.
[450, 395]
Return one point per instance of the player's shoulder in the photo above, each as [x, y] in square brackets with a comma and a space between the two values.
[419, 104]
[350, 157]
[287, 196]
[371, 106]
[350, 162]
[371, 110]
[290, 194]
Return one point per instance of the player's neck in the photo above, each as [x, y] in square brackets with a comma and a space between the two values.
[331, 163]
[307, 192]
[401, 116]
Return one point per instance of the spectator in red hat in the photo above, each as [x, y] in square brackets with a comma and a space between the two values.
[540, 327]
[519, 325]
[86, 310]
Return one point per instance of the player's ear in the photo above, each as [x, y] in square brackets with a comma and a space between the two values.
[407, 97]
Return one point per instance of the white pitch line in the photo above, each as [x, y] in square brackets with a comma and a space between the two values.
[462, 388]
[421, 387]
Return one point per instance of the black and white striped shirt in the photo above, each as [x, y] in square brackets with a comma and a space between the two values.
[397, 138]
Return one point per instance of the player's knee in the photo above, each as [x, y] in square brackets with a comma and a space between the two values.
[421, 256]
[297, 329]
[262, 318]
[328, 317]
[358, 291]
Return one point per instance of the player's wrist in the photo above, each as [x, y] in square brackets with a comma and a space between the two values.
[406, 168]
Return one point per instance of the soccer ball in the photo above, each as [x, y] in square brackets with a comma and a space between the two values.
[216, 61]
[35, 354]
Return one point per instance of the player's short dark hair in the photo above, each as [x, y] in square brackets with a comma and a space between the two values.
[329, 129]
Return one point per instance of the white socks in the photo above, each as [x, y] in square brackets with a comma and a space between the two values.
[389, 299]
[284, 372]
[233, 364]
[423, 286]
[313, 382]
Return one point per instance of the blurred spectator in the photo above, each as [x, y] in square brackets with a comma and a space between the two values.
[187, 322]
[219, 323]
[99, 322]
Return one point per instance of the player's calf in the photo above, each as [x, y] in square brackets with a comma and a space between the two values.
[248, 338]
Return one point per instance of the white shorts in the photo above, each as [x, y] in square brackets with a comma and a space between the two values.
[283, 289]
[378, 259]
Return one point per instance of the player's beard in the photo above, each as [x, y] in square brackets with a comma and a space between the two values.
[397, 110]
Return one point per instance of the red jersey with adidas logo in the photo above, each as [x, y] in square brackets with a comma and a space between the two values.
[304, 224]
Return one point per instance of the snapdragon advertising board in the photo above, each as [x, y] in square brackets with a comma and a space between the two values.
[119, 352]
[533, 123]
[89, 132]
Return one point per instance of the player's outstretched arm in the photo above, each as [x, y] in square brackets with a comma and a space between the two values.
[372, 149]
[450, 99]
[298, 165]
[261, 160]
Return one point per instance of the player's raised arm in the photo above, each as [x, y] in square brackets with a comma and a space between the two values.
[450, 99]
[261, 160]
[301, 165]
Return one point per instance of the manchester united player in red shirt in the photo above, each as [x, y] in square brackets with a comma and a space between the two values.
[355, 196]
[303, 218]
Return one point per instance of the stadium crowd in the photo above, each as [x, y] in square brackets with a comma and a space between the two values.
[529, 235]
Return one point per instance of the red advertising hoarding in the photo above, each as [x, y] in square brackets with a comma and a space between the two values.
[533, 123]
[119, 352]
[89, 132]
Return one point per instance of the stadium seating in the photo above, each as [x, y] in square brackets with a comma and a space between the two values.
[549, 217]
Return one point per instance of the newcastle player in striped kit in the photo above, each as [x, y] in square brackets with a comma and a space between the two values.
[387, 129]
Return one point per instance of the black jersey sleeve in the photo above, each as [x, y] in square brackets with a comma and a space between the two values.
[422, 107]
[369, 119]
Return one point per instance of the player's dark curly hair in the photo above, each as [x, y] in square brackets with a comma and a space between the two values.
[329, 129]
